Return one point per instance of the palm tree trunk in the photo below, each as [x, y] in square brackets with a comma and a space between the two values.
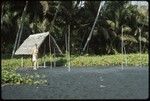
[90, 35]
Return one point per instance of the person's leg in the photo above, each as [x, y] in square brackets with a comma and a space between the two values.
[34, 65]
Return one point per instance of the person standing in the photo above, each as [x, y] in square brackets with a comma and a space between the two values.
[35, 57]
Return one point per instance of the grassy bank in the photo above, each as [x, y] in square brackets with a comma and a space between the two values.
[9, 66]
[110, 60]
[105, 60]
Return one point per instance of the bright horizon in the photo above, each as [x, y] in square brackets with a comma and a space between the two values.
[140, 3]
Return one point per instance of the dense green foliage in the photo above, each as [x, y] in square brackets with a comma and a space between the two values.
[106, 37]
[10, 76]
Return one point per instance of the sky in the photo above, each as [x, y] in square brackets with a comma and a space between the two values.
[133, 2]
[140, 3]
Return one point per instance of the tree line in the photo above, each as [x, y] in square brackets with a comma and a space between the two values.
[116, 17]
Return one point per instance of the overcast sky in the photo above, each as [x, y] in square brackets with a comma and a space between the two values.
[140, 3]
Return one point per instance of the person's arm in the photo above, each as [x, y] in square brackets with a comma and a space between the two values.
[35, 51]
[32, 51]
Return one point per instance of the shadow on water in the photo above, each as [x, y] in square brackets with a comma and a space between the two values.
[59, 63]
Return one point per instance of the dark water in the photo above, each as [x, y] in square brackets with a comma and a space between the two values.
[83, 83]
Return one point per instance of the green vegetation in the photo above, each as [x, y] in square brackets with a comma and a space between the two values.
[9, 75]
[9, 66]
[104, 60]
[110, 60]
